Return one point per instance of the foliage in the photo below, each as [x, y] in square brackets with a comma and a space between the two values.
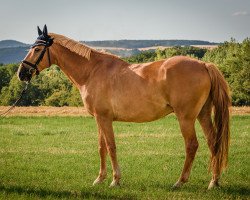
[6, 73]
[176, 51]
[146, 56]
[233, 59]
[51, 87]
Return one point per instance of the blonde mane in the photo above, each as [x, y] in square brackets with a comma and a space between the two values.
[72, 45]
[77, 47]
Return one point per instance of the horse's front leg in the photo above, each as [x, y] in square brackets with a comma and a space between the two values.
[106, 128]
[103, 154]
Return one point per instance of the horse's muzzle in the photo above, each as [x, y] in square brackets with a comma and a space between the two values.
[24, 73]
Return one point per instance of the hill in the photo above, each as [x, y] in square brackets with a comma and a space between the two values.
[135, 44]
[11, 43]
[12, 51]
[12, 54]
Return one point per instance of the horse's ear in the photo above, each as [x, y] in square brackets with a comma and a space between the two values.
[45, 31]
[39, 31]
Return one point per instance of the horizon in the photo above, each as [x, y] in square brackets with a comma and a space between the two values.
[214, 21]
[123, 40]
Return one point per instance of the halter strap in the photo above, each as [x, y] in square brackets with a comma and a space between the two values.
[46, 45]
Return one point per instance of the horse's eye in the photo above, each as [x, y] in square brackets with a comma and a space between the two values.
[37, 49]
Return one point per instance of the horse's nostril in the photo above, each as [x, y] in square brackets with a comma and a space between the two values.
[21, 75]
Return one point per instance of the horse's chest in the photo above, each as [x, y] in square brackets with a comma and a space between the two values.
[87, 99]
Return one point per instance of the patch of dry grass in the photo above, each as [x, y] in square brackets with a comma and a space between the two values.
[77, 111]
[45, 111]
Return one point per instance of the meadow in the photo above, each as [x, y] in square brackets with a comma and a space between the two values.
[57, 158]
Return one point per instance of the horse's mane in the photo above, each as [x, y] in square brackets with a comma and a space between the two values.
[72, 45]
[77, 47]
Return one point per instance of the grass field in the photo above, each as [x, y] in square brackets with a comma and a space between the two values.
[57, 158]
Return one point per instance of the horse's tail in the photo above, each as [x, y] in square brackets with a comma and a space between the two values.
[221, 101]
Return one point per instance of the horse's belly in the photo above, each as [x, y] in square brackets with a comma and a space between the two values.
[141, 111]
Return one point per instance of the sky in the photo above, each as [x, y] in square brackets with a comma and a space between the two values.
[210, 20]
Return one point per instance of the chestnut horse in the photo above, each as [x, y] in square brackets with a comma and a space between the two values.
[113, 90]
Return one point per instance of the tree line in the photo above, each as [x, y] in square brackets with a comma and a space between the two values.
[53, 88]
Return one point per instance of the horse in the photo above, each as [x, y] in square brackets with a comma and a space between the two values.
[114, 90]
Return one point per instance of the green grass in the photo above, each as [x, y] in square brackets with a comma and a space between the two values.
[57, 158]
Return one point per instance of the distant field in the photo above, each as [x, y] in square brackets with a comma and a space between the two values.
[157, 47]
[77, 111]
[57, 158]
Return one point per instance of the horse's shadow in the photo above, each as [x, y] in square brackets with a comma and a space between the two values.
[88, 193]
[236, 190]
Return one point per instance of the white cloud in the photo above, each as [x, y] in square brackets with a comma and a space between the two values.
[240, 13]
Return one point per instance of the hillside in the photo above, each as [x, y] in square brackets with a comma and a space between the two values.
[11, 43]
[12, 54]
[12, 51]
[135, 44]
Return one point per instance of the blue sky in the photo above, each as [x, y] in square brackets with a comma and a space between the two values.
[211, 20]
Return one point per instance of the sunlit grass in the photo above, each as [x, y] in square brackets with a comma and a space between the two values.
[57, 157]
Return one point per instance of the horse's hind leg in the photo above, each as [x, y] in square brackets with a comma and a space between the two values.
[207, 126]
[191, 146]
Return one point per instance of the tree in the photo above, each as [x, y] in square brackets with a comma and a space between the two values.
[6, 73]
[177, 50]
[146, 56]
[51, 87]
[233, 59]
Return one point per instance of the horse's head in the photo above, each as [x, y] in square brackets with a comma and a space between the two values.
[35, 61]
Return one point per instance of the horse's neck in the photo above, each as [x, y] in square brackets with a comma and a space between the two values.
[78, 68]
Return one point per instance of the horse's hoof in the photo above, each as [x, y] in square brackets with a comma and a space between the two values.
[98, 181]
[177, 185]
[114, 184]
[213, 184]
